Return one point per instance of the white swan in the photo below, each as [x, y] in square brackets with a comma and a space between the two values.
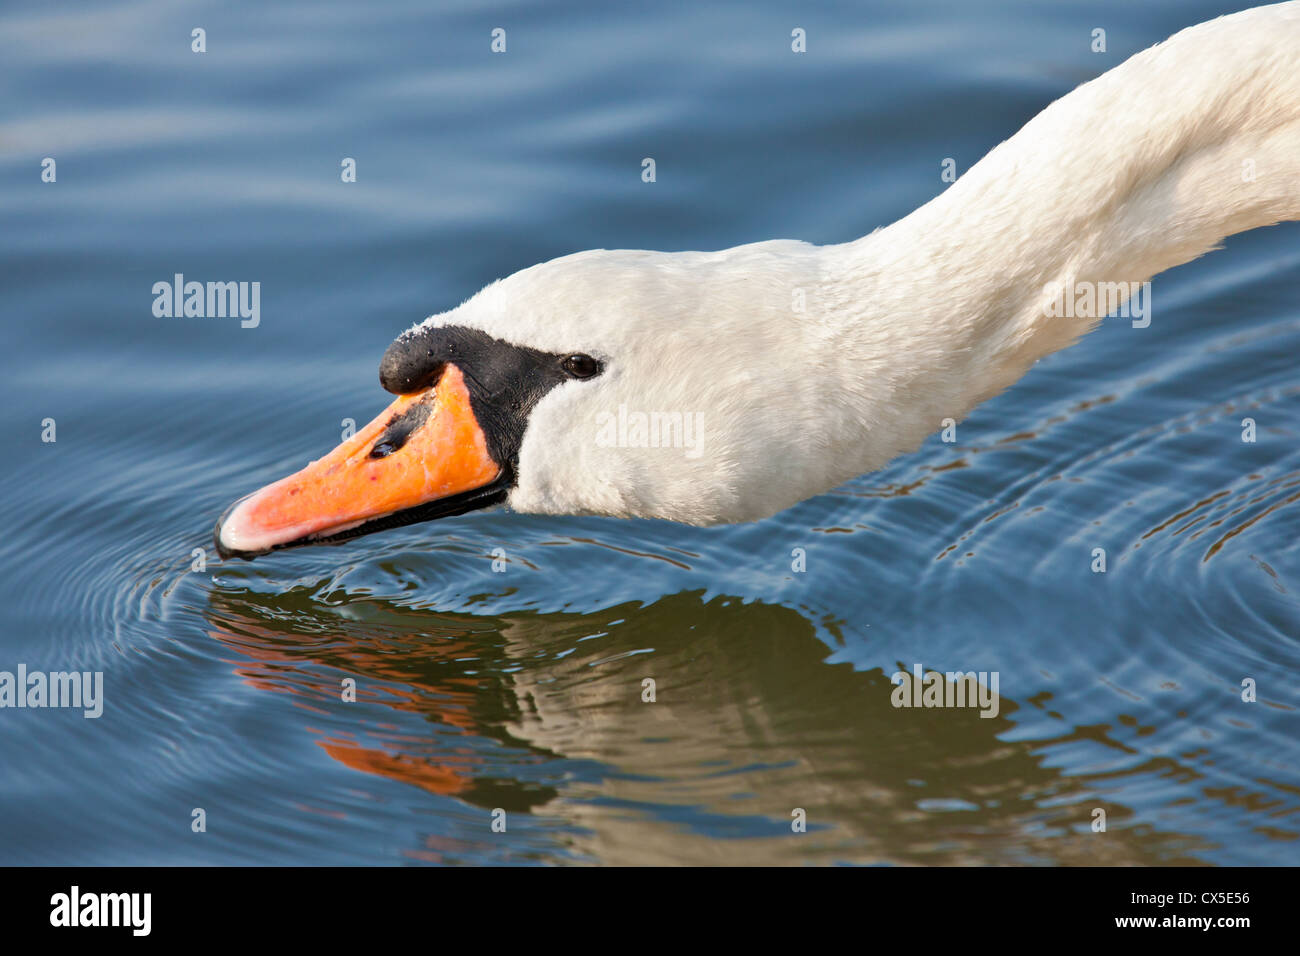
[1139, 170]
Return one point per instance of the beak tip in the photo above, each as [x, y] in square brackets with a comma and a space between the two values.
[228, 539]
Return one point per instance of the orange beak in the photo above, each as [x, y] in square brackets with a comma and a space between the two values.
[424, 457]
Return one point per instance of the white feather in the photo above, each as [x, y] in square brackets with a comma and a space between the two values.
[1130, 174]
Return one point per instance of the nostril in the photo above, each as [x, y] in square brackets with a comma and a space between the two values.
[399, 430]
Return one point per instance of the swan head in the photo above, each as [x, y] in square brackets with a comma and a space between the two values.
[679, 386]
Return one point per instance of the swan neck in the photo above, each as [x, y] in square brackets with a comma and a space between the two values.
[1146, 167]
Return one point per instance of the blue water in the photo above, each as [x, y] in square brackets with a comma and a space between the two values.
[520, 691]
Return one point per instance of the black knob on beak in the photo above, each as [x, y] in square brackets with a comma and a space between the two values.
[413, 362]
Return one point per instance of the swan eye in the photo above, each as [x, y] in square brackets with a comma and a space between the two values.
[580, 366]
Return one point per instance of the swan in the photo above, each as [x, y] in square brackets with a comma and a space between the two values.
[801, 366]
